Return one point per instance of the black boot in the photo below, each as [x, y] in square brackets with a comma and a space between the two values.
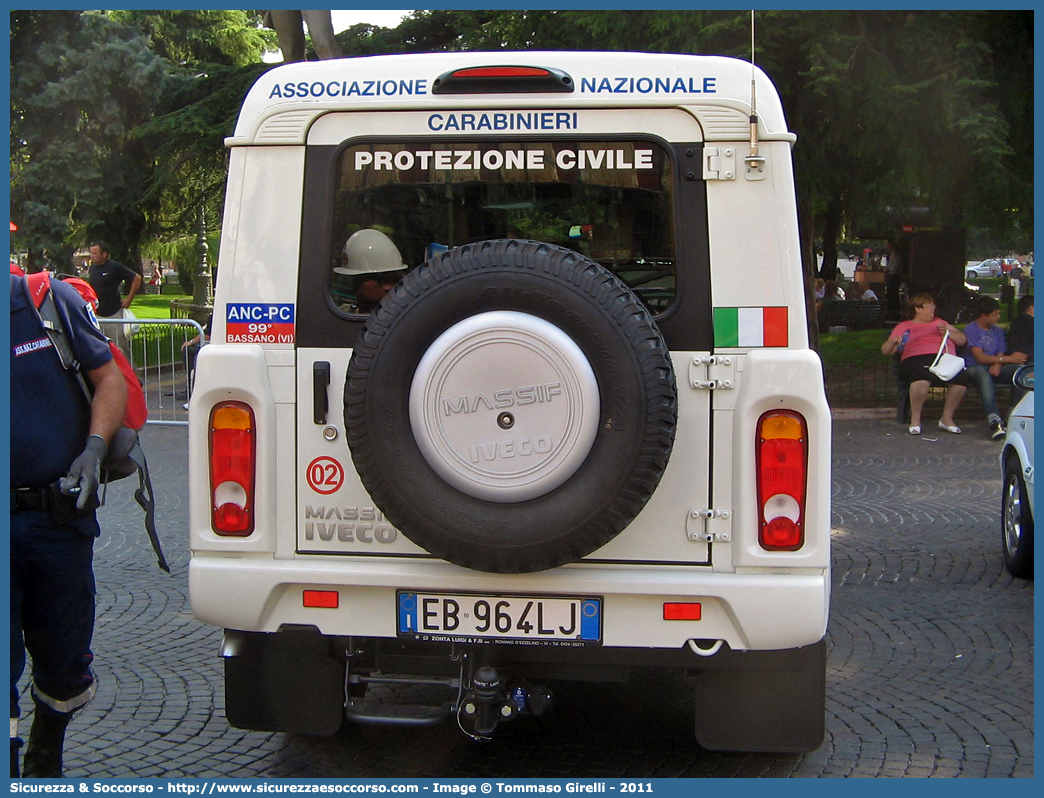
[16, 743]
[43, 754]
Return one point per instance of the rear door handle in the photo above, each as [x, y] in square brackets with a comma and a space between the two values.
[320, 382]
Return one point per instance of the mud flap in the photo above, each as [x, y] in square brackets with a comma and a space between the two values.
[289, 681]
[770, 701]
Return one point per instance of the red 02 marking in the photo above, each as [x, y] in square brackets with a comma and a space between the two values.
[324, 475]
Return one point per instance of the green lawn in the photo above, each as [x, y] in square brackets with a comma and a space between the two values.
[158, 344]
[852, 348]
[155, 306]
[992, 285]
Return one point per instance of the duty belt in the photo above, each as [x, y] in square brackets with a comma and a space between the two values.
[61, 506]
[31, 499]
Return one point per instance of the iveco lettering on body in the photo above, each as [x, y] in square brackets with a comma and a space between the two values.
[510, 380]
[365, 525]
[350, 532]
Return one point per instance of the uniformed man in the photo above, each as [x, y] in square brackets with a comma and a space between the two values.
[57, 444]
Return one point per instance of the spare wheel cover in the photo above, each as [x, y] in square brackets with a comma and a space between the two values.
[504, 406]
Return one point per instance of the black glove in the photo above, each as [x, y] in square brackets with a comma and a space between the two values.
[82, 478]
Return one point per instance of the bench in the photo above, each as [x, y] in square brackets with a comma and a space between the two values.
[854, 314]
[902, 387]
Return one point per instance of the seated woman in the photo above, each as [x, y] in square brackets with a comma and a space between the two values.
[919, 339]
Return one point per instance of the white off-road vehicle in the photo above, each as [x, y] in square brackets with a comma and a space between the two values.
[510, 385]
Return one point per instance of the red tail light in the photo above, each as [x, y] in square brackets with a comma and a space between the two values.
[782, 466]
[232, 462]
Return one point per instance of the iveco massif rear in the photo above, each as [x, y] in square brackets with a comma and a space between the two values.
[510, 382]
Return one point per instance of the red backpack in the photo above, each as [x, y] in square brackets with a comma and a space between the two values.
[137, 412]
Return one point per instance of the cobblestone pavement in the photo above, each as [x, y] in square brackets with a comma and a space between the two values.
[930, 669]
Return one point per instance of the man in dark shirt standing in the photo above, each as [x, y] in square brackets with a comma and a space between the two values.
[106, 276]
[1020, 333]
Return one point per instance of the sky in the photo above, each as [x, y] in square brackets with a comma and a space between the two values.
[342, 20]
[385, 19]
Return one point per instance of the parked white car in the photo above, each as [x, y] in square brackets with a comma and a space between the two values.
[1017, 494]
[988, 268]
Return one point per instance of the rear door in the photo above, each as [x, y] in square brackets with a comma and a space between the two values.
[633, 201]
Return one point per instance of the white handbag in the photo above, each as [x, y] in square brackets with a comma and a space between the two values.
[131, 329]
[946, 366]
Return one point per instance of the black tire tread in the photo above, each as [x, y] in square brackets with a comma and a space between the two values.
[1020, 562]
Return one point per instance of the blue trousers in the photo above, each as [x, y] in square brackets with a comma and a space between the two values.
[52, 607]
[987, 383]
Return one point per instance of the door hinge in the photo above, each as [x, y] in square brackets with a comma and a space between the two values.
[709, 526]
[719, 163]
[712, 372]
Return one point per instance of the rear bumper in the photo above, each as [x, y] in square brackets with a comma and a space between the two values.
[748, 611]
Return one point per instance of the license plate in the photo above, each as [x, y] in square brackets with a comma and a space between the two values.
[460, 617]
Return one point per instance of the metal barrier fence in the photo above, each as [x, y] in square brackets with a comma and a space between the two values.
[159, 351]
[869, 385]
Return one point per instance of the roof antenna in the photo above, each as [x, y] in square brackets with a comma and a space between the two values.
[755, 162]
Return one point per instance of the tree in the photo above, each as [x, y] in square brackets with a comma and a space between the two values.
[892, 109]
[110, 137]
[419, 32]
[188, 38]
[80, 84]
[986, 176]
[217, 56]
[651, 31]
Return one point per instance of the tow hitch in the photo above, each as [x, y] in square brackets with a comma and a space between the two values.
[482, 708]
[479, 697]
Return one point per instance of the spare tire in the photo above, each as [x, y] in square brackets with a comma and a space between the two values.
[510, 406]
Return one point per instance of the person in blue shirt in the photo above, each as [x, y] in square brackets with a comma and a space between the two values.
[988, 364]
[58, 441]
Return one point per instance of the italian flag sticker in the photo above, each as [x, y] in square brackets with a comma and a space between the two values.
[750, 327]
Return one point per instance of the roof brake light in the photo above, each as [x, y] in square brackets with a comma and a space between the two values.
[501, 72]
[503, 79]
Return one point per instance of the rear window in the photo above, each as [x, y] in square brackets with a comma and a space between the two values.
[609, 200]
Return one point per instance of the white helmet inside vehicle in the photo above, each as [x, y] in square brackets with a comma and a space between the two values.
[369, 251]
